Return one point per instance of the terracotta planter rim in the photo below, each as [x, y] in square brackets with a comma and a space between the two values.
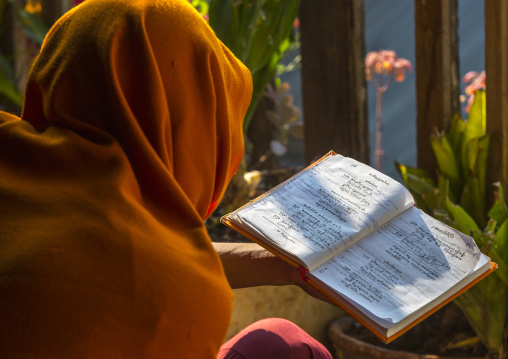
[347, 343]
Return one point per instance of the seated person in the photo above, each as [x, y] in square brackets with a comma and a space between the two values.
[130, 132]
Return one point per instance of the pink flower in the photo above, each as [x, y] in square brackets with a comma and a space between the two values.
[384, 63]
[476, 82]
[401, 66]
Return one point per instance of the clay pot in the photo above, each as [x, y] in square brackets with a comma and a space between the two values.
[348, 347]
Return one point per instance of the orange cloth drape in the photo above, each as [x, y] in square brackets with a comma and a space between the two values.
[130, 131]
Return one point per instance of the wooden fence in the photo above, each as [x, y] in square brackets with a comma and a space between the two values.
[332, 34]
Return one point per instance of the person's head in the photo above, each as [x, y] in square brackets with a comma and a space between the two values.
[151, 75]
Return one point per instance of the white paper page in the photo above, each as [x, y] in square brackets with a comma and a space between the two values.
[402, 266]
[325, 209]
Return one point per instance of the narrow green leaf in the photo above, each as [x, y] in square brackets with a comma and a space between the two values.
[34, 27]
[417, 172]
[473, 201]
[502, 241]
[271, 31]
[250, 17]
[476, 124]
[476, 119]
[491, 226]
[481, 163]
[463, 221]
[502, 270]
[499, 211]
[9, 90]
[456, 133]
[224, 22]
[447, 162]
[420, 184]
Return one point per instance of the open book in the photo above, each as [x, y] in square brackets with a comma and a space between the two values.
[357, 237]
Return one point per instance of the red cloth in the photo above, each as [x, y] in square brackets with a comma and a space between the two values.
[273, 338]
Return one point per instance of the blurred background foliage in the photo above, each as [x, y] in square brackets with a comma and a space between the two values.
[260, 33]
[24, 20]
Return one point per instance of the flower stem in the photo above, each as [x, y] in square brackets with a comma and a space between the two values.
[379, 127]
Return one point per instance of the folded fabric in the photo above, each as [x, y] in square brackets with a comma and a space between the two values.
[130, 132]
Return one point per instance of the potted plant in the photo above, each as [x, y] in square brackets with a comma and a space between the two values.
[459, 198]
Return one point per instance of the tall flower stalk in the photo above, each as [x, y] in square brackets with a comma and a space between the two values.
[381, 68]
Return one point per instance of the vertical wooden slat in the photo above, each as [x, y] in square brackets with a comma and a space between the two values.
[496, 67]
[437, 72]
[53, 9]
[7, 46]
[333, 78]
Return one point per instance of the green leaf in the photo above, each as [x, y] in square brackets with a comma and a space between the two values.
[485, 308]
[502, 270]
[447, 162]
[502, 241]
[476, 124]
[473, 201]
[420, 184]
[476, 158]
[481, 163]
[224, 21]
[258, 33]
[250, 15]
[417, 172]
[456, 133]
[271, 31]
[33, 26]
[499, 211]
[463, 221]
[8, 86]
[476, 120]
[202, 6]
[9, 90]
[444, 193]
[490, 228]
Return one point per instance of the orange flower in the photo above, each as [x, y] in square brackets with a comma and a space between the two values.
[34, 7]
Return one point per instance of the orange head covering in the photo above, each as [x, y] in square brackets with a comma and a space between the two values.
[152, 75]
[130, 133]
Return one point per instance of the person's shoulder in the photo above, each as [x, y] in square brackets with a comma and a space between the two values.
[7, 117]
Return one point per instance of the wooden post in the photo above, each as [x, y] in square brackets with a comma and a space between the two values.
[496, 67]
[7, 48]
[437, 72]
[333, 78]
[53, 9]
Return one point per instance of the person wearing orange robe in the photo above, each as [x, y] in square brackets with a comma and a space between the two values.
[130, 132]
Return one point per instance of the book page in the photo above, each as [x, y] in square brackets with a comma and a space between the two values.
[402, 266]
[325, 209]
